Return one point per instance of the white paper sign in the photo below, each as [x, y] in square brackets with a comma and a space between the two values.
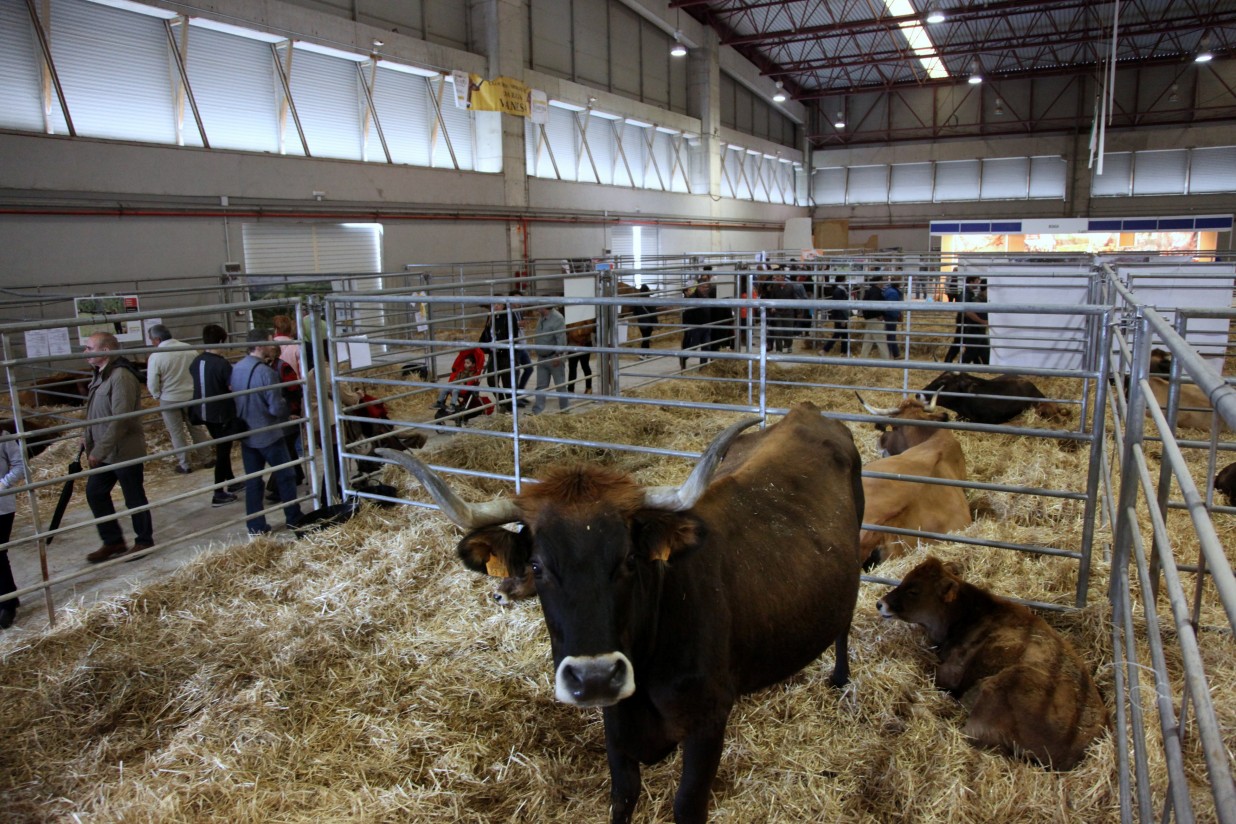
[36, 344]
[361, 352]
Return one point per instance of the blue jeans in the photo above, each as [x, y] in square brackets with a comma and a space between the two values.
[99, 496]
[255, 459]
[890, 327]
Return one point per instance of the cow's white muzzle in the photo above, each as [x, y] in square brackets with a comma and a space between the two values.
[594, 680]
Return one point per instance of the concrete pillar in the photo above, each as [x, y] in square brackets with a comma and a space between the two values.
[502, 28]
[704, 102]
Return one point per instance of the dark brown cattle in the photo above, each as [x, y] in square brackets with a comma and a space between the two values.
[1027, 689]
[665, 605]
[1225, 482]
[60, 389]
[1160, 362]
[912, 451]
[990, 400]
[36, 439]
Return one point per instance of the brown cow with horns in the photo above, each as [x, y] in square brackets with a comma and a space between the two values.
[919, 451]
[664, 605]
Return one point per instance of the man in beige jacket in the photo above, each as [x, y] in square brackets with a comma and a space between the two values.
[170, 382]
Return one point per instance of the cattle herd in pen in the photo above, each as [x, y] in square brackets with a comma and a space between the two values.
[663, 606]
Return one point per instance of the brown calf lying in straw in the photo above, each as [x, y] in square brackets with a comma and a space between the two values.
[1027, 690]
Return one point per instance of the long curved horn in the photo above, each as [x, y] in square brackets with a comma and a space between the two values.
[871, 410]
[679, 498]
[928, 405]
[464, 514]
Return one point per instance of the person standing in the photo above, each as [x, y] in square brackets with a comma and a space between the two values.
[550, 370]
[169, 382]
[780, 319]
[645, 317]
[12, 473]
[892, 317]
[259, 410]
[211, 375]
[971, 326]
[696, 334]
[840, 318]
[114, 390]
[289, 349]
[872, 322]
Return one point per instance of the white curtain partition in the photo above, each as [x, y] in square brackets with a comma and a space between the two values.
[1035, 340]
[1196, 285]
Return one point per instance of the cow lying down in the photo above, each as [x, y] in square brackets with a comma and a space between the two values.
[664, 605]
[1027, 690]
[991, 400]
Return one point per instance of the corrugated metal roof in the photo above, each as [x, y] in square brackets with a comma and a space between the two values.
[821, 49]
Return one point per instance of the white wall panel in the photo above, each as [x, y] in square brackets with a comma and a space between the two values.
[328, 99]
[828, 186]
[868, 184]
[1160, 173]
[957, 180]
[1005, 178]
[911, 183]
[1212, 170]
[1117, 175]
[403, 105]
[20, 96]
[1048, 177]
[235, 85]
[115, 71]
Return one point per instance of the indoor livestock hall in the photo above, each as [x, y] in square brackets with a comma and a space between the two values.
[618, 410]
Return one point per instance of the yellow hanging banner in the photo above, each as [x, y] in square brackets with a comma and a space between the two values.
[502, 94]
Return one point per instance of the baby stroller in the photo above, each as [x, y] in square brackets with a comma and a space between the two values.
[470, 404]
[466, 373]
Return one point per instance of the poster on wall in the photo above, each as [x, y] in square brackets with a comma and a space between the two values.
[106, 314]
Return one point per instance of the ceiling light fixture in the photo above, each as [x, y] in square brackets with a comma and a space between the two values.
[999, 107]
[1204, 55]
[975, 76]
[1174, 97]
[839, 123]
[779, 94]
[678, 50]
[934, 15]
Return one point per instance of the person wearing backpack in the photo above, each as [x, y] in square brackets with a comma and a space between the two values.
[871, 322]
